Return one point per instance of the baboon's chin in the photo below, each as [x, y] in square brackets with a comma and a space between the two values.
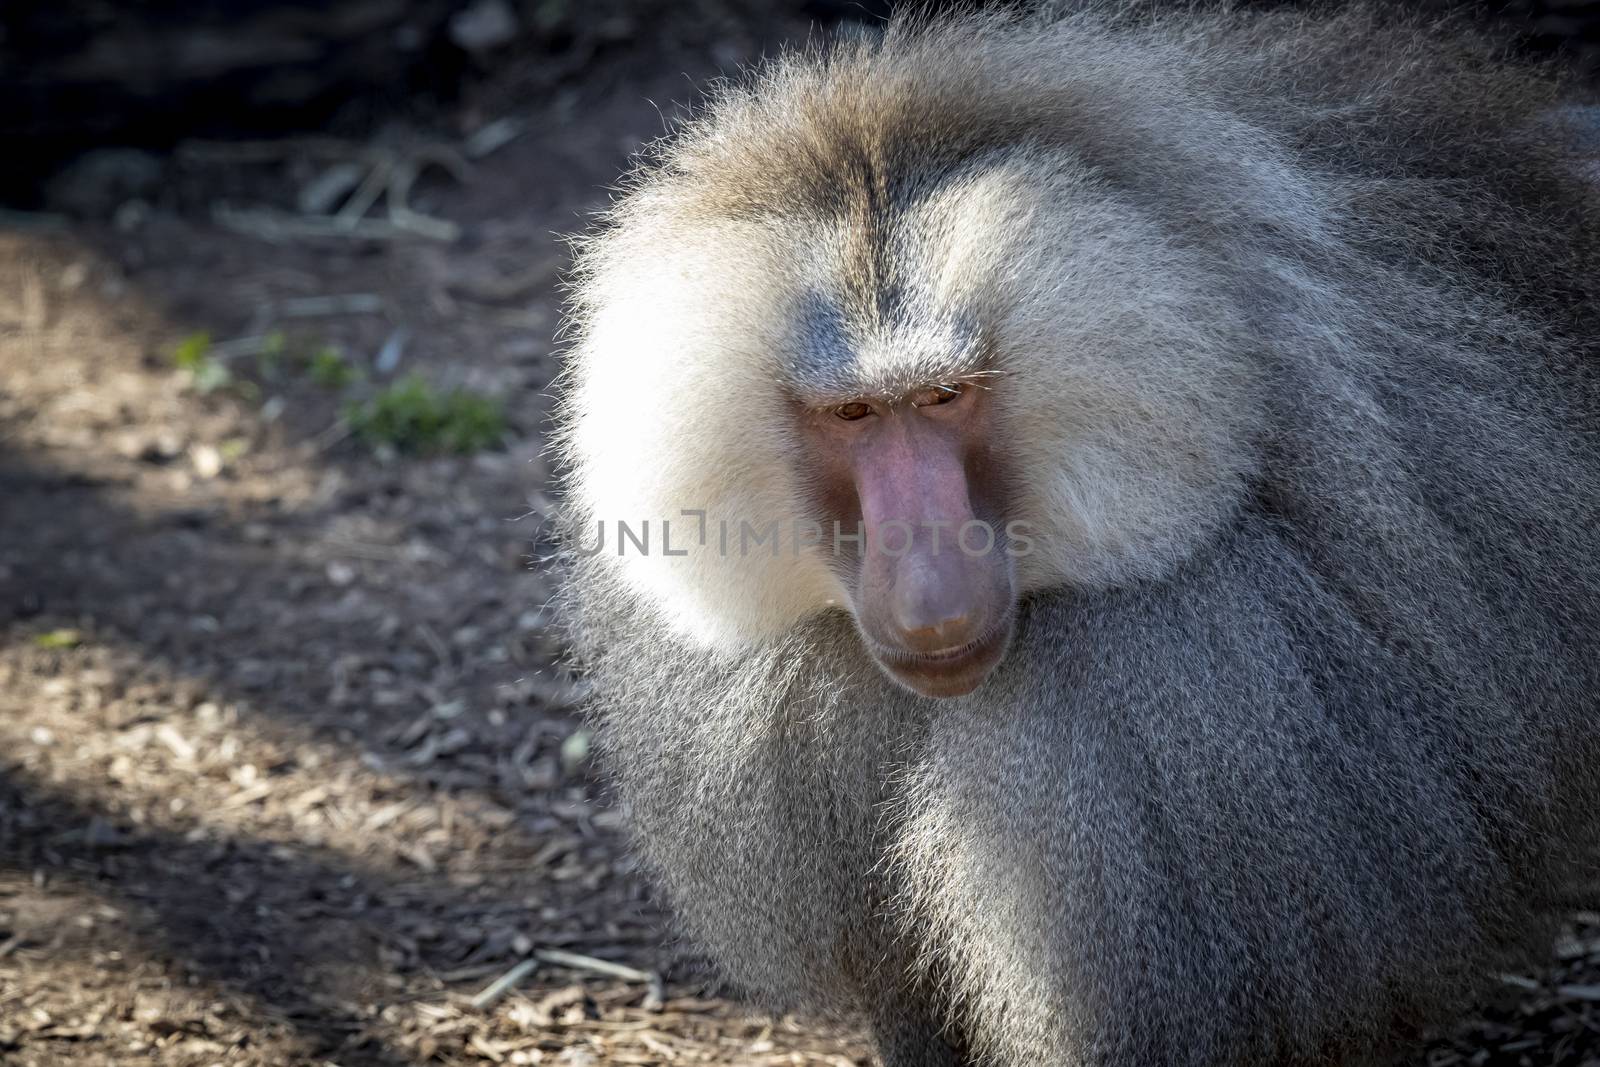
[945, 675]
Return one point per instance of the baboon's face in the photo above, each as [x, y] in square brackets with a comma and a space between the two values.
[1012, 381]
[931, 582]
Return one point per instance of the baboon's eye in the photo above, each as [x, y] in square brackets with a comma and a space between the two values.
[938, 394]
[853, 410]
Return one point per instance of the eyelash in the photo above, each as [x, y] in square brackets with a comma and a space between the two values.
[943, 394]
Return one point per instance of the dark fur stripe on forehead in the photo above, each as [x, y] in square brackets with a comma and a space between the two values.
[865, 142]
[865, 229]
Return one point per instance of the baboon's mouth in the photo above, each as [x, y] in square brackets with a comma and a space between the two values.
[951, 672]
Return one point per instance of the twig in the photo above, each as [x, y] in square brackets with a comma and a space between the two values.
[267, 151]
[400, 178]
[372, 186]
[509, 288]
[654, 997]
[235, 347]
[579, 962]
[394, 346]
[504, 984]
[330, 437]
[278, 226]
[1579, 992]
[440, 651]
[308, 307]
[321, 194]
[362, 550]
[491, 137]
[389, 173]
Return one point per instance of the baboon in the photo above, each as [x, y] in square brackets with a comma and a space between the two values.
[1255, 719]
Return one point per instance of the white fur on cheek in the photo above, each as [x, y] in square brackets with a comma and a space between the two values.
[1136, 440]
[678, 408]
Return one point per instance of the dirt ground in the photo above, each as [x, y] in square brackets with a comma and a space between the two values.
[289, 773]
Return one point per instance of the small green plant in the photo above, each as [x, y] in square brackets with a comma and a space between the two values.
[192, 351]
[329, 368]
[207, 374]
[59, 639]
[413, 416]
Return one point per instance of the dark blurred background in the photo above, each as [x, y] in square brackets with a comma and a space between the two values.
[84, 74]
[90, 74]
